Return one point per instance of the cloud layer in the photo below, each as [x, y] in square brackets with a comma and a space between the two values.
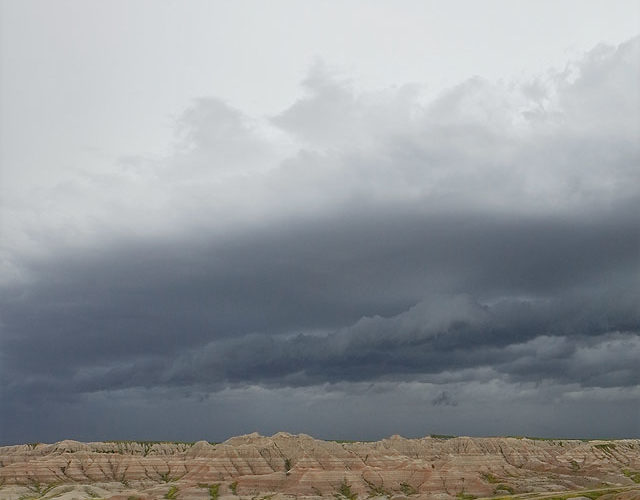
[485, 238]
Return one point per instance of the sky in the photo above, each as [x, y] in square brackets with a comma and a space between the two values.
[348, 219]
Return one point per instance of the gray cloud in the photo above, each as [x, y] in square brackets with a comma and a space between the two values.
[487, 237]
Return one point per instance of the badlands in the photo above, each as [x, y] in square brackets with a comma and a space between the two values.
[286, 466]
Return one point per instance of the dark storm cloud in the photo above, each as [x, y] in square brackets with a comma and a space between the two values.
[486, 235]
[128, 319]
[339, 270]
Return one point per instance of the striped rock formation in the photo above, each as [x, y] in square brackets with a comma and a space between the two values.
[286, 465]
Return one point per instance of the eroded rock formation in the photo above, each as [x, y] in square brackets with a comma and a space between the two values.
[285, 465]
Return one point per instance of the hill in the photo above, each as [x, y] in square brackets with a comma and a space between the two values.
[299, 466]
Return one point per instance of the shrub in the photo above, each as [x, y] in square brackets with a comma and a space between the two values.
[407, 489]
[213, 491]
[490, 478]
[344, 491]
[172, 493]
[633, 475]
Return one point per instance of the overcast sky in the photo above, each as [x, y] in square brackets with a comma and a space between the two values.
[349, 219]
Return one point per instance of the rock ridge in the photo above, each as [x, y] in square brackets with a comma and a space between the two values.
[288, 465]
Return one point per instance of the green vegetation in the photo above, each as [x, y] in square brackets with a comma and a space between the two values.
[172, 493]
[465, 496]
[575, 467]
[61, 491]
[375, 489]
[35, 487]
[214, 491]
[503, 487]
[606, 447]
[38, 490]
[633, 475]
[41, 490]
[234, 487]
[91, 493]
[442, 436]
[593, 495]
[407, 489]
[490, 478]
[287, 465]
[344, 491]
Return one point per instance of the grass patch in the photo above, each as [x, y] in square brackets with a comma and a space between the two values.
[503, 487]
[593, 495]
[490, 478]
[234, 487]
[287, 465]
[172, 493]
[376, 490]
[214, 491]
[633, 475]
[62, 491]
[606, 447]
[407, 489]
[465, 496]
[344, 491]
[40, 490]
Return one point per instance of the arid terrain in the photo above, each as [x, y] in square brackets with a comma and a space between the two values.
[299, 466]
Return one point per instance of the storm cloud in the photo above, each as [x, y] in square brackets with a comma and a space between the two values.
[354, 247]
